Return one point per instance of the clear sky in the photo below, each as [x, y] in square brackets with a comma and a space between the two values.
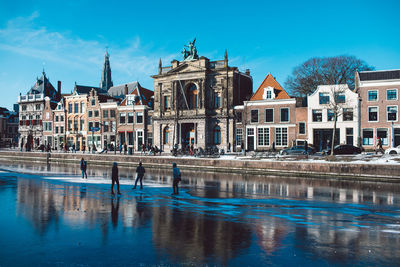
[68, 38]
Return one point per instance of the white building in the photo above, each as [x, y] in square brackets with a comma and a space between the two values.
[321, 104]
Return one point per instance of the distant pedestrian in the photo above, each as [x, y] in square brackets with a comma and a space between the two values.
[140, 173]
[74, 148]
[114, 178]
[379, 146]
[83, 148]
[83, 168]
[125, 148]
[176, 173]
[305, 146]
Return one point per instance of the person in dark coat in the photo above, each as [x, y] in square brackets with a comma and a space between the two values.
[140, 174]
[176, 173]
[114, 178]
[83, 168]
[306, 146]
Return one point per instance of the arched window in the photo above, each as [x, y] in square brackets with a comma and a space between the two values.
[166, 135]
[217, 135]
[191, 94]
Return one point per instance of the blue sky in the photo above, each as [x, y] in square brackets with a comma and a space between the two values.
[69, 38]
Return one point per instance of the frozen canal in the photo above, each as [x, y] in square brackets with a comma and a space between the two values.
[50, 216]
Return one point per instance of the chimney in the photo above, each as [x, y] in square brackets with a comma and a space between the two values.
[59, 88]
[126, 89]
[247, 72]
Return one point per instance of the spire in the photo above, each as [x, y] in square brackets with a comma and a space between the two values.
[226, 59]
[106, 81]
[159, 67]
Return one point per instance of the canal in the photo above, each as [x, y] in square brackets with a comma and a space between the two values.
[50, 216]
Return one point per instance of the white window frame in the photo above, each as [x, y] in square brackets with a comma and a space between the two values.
[377, 95]
[305, 128]
[385, 143]
[287, 137]
[373, 136]
[258, 116]
[139, 114]
[273, 115]
[397, 94]
[280, 113]
[377, 115]
[397, 113]
[268, 134]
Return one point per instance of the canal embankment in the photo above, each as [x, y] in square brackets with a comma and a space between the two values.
[299, 167]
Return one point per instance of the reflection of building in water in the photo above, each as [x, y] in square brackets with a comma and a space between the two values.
[197, 237]
[42, 204]
[270, 233]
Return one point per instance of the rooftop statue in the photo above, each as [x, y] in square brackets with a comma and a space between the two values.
[191, 53]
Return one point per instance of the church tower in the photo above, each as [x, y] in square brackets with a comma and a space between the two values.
[106, 81]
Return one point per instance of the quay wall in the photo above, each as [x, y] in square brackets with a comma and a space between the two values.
[289, 168]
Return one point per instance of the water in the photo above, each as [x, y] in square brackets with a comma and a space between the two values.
[50, 216]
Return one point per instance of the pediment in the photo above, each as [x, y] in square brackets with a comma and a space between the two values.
[187, 67]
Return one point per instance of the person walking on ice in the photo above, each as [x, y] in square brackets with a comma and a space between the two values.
[114, 178]
[176, 173]
[140, 173]
[83, 168]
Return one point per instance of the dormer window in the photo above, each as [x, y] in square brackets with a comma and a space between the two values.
[269, 93]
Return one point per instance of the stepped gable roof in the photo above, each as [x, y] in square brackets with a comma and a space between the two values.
[280, 93]
[144, 96]
[119, 90]
[43, 86]
[379, 75]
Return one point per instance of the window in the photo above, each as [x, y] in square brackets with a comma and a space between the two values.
[61, 118]
[372, 95]
[90, 114]
[90, 126]
[61, 129]
[340, 98]
[330, 115]
[112, 113]
[82, 124]
[166, 135]
[96, 113]
[97, 124]
[269, 115]
[217, 100]
[263, 136]
[281, 136]
[70, 108]
[38, 106]
[239, 137]
[139, 117]
[268, 94]
[93, 102]
[391, 94]
[47, 115]
[254, 116]
[347, 114]
[192, 96]
[284, 114]
[56, 130]
[69, 125]
[392, 113]
[167, 102]
[149, 120]
[150, 138]
[130, 117]
[82, 107]
[323, 98]
[23, 107]
[316, 115]
[349, 136]
[56, 118]
[122, 118]
[217, 135]
[238, 116]
[105, 114]
[382, 133]
[106, 126]
[302, 128]
[372, 113]
[76, 107]
[75, 125]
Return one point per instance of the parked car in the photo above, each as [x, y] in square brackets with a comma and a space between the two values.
[343, 150]
[297, 150]
[393, 150]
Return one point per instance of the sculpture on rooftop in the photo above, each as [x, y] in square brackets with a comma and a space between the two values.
[191, 53]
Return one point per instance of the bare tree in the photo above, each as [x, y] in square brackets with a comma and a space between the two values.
[306, 77]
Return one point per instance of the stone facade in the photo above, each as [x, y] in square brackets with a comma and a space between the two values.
[379, 91]
[194, 102]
